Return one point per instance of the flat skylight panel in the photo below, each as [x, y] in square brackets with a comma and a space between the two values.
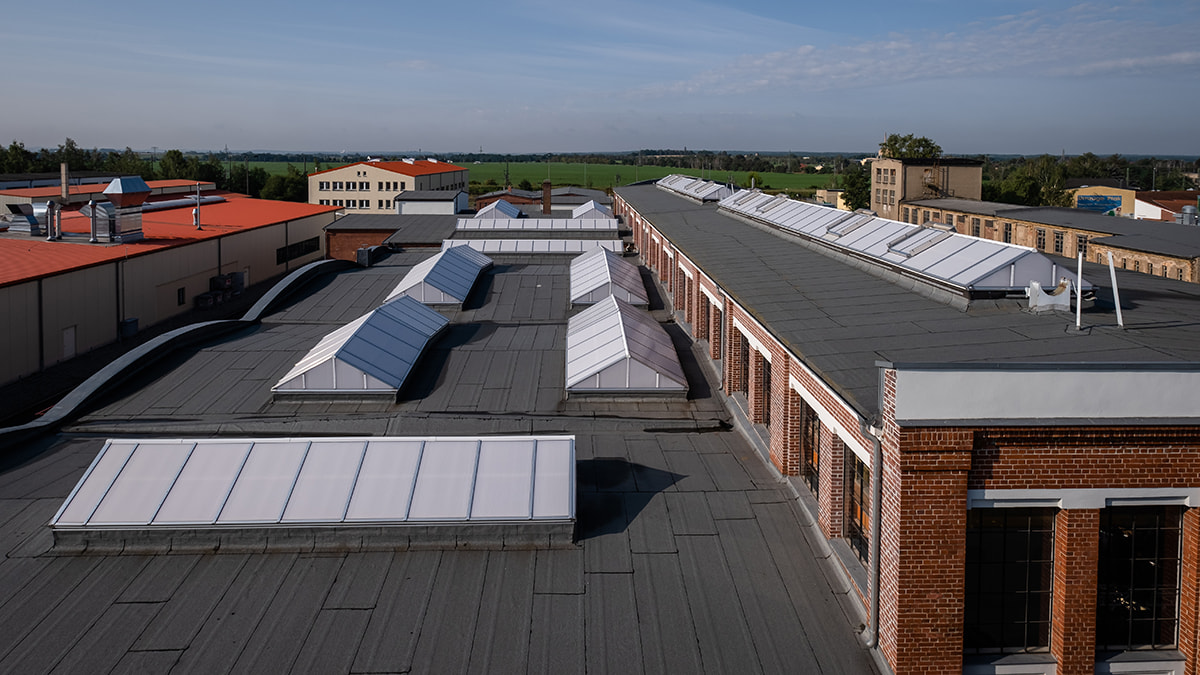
[203, 485]
[848, 224]
[505, 480]
[322, 491]
[262, 489]
[773, 204]
[142, 485]
[917, 240]
[554, 480]
[949, 253]
[998, 259]
[385, 481]
[445, 482]
[745, 197]
[95, 483]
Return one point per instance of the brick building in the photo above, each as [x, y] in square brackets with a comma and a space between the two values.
[1006, 493]
[894, 181]
[1150, 247]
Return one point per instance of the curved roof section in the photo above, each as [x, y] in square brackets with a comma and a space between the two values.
[372, 354]
[600, 273]
[445, 278]
[942, 257]
[293, 482]
[499, 209]
[695, 188]
[614, 347]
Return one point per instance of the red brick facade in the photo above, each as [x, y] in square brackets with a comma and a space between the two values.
[927, 475]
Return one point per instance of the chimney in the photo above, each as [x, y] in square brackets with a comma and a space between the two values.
[66, 181]
[546, 197]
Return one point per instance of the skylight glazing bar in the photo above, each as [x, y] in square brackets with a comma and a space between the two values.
[362, 456]
[174, 480]
[412, 488]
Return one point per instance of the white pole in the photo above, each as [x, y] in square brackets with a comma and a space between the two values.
[1079, 294]
[1112, 273]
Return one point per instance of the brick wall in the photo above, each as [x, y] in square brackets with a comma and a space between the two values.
[343, 245]
[1189, 591]
[1076, 555]
[831, 487]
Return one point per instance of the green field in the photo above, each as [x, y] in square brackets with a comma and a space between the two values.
[599, 176]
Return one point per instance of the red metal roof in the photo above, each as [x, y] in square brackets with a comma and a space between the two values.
[24, 258]
[418, 167]
[98, 188]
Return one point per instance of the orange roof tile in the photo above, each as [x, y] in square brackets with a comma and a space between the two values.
[24, 258]
[418, 167]
[97, 188]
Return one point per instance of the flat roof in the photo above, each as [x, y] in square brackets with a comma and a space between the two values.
[98, 188]
[25, 258]
[691, 555]
[840, 320]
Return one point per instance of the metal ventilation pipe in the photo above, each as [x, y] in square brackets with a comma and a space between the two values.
[95, 221]
[546, 197]
[51, 208]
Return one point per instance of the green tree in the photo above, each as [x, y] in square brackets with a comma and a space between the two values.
[128, 163]
[907, 146]
[525, 184]
[174, 165]
[290, 187]
[856, 186]
[16, 159]
[248, 181]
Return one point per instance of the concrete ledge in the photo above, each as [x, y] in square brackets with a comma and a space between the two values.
[341, 538]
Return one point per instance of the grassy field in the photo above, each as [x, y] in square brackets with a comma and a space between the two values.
[600, 176]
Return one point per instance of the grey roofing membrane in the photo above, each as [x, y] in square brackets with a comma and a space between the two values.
[691, 556]
[840, 319]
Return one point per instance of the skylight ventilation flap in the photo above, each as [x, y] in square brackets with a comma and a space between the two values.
[920, 239]
[847, 224]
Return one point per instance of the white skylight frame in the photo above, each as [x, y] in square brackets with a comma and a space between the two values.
[296, 482]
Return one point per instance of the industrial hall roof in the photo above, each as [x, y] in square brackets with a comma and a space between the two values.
[691, 556]
[25, 258]
[840, 316]
[414, 167]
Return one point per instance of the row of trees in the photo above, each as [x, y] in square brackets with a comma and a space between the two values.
[232, 174]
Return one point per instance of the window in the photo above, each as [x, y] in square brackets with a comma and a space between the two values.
[1058, 242]
[337, 202]
[1137, 265]
[297, 250]
[989, 226]
[810, 446]
[925, 216]
[891, 197]
[350, 203]
[877, 191]
[337, 185]
[1123, 263]
[387, 204]
[892, 173]
[1179, 274]
[351, 185]
[1149, 268]
[323, 185]
[1009, 575]
[1041, 239]
[858, 519]
[180, 296]
[402, 185]
[380, 204]
[1137, 601]
[364, 203]
[1081, 245]
[743, 380]
[365, 185]
[1008, 233]
[381, 186]
[974, 227]
[765, 402]
[906, 214]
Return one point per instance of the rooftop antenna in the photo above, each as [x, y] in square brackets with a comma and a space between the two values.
[1112, 273]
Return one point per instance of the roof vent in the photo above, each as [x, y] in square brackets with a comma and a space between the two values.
[127, 194]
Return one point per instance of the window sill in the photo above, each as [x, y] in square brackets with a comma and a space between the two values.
[1147, 662]
[1010, 664]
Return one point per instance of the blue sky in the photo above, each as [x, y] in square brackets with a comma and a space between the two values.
[977, 76]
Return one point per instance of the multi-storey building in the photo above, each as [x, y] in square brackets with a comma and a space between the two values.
[372, 186]
[897, 180]
[1007, 493]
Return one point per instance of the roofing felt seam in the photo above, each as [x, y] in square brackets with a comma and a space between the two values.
[297, 482]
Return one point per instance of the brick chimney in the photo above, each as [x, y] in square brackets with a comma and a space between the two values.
[546, 197]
